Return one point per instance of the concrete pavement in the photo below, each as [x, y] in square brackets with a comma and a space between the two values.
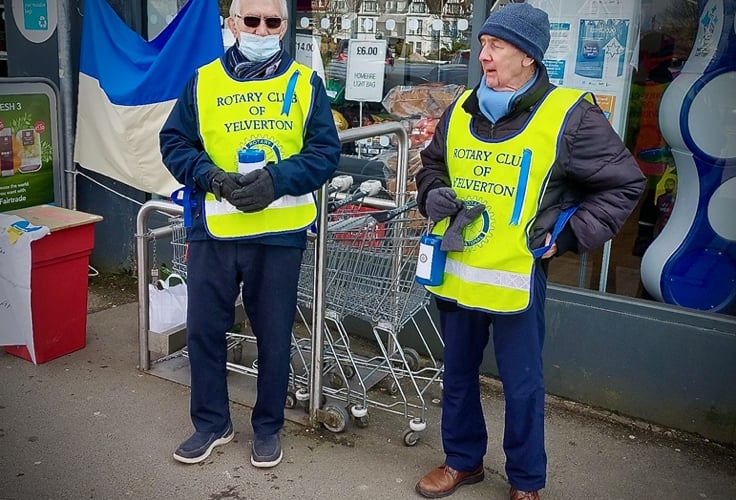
[90, 425]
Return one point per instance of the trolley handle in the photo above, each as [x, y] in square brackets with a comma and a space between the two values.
[371, 187]
[385, 216]
[340, 184]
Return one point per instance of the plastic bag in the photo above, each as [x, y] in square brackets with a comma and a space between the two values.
[167, 304]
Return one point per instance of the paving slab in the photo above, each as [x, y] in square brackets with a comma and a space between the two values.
[90, 425]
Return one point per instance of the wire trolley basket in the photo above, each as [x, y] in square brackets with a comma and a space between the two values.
[371, 258]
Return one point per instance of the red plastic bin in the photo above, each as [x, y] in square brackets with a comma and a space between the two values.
[59, 269]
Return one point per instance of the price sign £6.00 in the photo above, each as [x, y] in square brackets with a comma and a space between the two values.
[365, 70]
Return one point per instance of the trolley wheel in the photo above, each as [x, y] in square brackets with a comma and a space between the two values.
[335, 381]
[349, 371]
[410, 437]
[362, 422]
[417, 424]
[360, 415]
[358, 411]
[412, 359]
[291, 400]
[340, 416]
[392, 387]
[302, 394]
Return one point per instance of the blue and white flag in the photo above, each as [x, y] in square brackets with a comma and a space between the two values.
[127, 87]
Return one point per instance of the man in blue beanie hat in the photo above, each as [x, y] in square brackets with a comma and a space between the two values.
[543, 172]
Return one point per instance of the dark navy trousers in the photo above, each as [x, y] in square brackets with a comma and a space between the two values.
[517, 341]
[269, 276]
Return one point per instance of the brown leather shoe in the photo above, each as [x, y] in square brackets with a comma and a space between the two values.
[515, 494]
[444, 480]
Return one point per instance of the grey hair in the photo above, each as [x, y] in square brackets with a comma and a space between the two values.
[235, 8]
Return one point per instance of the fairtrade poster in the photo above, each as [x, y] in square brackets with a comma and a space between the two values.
[607, 103]
[26, 151]
[601, 48]
[592, 46]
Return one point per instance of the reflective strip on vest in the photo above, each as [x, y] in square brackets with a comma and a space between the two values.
[268, 114]
[509, 176]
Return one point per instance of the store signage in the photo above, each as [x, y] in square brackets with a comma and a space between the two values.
[35, 19]
[591, 48]
[365, 70]
[307, 52]
[28, 143]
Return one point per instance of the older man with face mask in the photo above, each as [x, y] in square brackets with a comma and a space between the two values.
[249, 228]
[518, 171]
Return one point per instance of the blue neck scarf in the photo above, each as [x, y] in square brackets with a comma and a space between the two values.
[496, 104]
[247, 70]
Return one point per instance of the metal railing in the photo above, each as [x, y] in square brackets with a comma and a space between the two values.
[143, 233]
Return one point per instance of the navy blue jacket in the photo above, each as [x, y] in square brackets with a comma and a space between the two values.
[184, 155]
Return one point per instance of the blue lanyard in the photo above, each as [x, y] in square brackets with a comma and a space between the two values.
[183, 198]
[559, 225]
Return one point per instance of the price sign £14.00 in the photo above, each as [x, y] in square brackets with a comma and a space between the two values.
[365, 70]
[307, 53]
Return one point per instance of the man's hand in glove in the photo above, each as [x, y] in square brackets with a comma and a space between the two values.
[222, 183]
[442, 202]
[452, 240]
[256, 192]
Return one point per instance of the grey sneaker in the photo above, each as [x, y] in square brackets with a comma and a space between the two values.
[199, 446]
[266, 451]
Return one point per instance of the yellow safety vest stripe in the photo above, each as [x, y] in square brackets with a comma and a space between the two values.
[508, 176]
[268, 114]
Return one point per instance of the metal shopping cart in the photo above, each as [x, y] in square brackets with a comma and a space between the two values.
[371, 259]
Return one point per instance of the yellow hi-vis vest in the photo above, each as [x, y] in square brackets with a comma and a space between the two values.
[509, 176]
[268, 114]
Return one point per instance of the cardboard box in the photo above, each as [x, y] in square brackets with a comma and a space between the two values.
[59, 269]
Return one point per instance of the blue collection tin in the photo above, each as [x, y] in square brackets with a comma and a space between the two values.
[431, 261]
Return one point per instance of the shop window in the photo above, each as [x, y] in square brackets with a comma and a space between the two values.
[428, 45]
[666, 38]
[160, 13]
[408, 59]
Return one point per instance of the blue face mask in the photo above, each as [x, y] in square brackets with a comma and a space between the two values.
[257, 48]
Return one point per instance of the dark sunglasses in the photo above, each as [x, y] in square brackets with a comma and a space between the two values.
[254, 21]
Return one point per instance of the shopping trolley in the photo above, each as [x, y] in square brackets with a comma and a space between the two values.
[371, 258]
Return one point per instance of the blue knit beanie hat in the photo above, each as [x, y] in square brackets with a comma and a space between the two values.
[522, 25]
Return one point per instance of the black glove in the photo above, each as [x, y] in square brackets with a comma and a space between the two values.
[442, 202]
[222, 184]
[452, 240]
[256, 192]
